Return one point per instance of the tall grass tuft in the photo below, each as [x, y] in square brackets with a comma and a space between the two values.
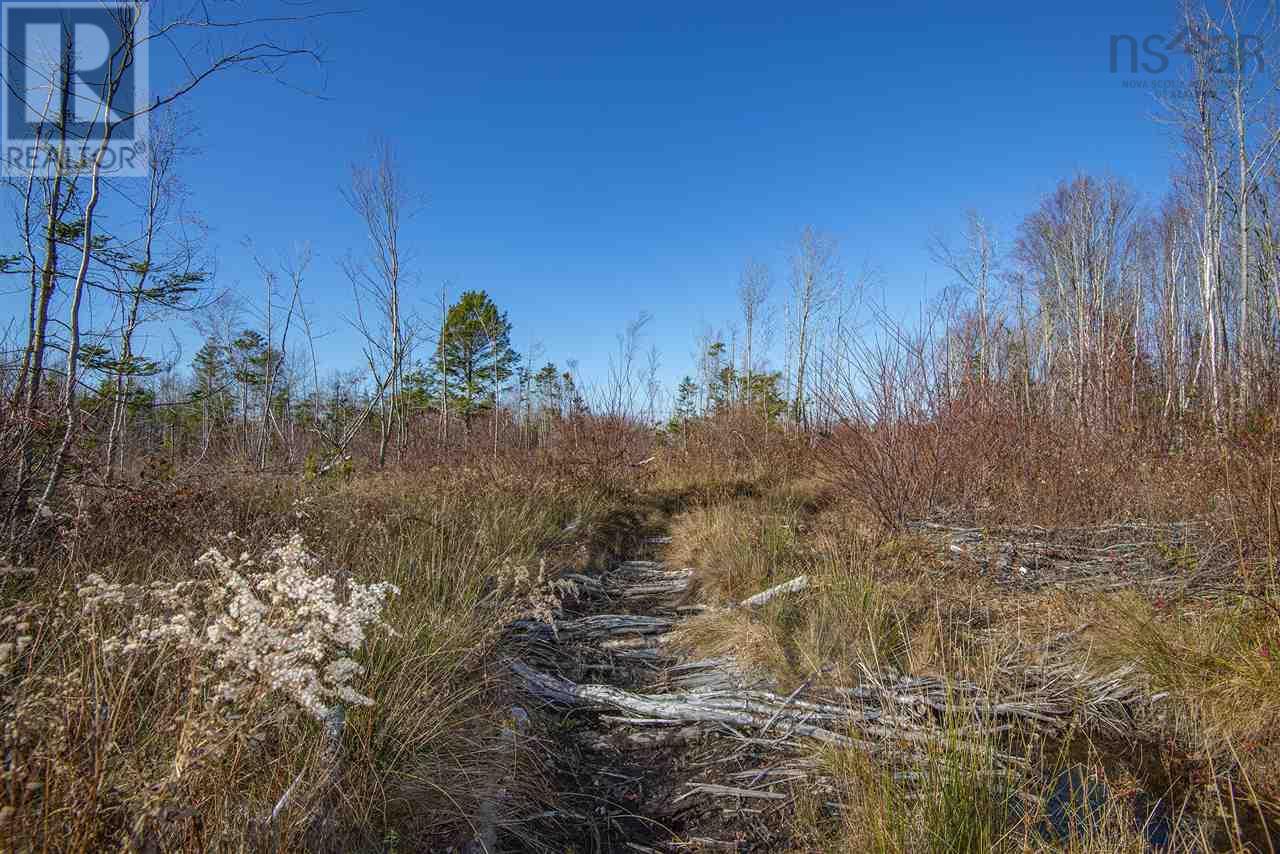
[110, 752]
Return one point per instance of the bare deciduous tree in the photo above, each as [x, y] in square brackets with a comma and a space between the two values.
[380, 196]
[753, 294]
[206, 46]
[158, 275]
[975, 266]
[815, 284]
[624, 381]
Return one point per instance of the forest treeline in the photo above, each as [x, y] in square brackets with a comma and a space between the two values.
[1107, 311]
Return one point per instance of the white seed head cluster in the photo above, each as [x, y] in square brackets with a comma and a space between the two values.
[533, 596]
[277, 623]
[15, 637]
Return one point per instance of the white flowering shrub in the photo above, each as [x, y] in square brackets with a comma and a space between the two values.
[273, 624]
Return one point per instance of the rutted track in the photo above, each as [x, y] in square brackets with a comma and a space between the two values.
[639, 777]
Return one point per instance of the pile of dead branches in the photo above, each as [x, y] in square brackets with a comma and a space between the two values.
[1159, 557]
[884, 712]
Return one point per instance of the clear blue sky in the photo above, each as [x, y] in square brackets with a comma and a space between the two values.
[586, 161]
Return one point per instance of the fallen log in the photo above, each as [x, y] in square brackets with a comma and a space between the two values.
[719, 791]
[795, 585]
[687, 708]
[652, 739]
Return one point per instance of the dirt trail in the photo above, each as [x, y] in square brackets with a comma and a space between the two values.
[639, 771]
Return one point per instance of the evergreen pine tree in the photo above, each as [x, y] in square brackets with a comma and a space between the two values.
[475, 354]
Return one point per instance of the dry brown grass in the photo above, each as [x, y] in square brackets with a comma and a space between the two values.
[743, 547]
[887, 601]
[1215, 663]
[420, 768]
[874, 602]
[104, 757]
[727, 457]
[957, 801]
